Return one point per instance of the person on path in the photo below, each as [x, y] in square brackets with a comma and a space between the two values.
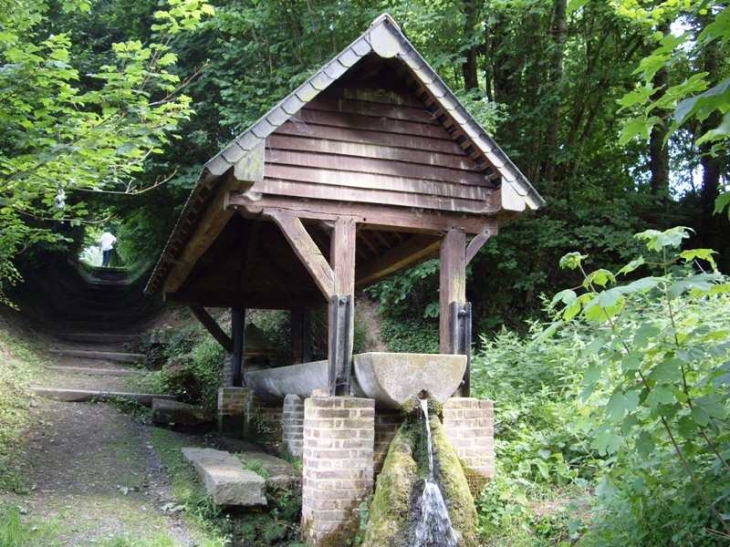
[107, 241]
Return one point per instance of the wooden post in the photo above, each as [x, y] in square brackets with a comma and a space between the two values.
[454, 310]
[341, 325]
[238, 326]
[452, 283]
[301, 335]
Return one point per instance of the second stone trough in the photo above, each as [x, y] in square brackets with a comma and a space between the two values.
[391, 379]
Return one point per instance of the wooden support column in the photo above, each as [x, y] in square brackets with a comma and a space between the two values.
[341, 325]
[238, 326]
[301, 335]
[454, 310]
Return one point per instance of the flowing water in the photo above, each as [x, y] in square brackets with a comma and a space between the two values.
[433, 527]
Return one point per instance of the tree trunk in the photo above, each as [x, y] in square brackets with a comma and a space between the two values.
[469, 66]
[658, 149]
[555, 75]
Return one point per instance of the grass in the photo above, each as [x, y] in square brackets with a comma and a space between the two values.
[20, 364]
[200, 513]
[161, 540]
[16, 532]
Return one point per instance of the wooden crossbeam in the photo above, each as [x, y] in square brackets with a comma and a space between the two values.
[368, 216]
[414, 250]
[210, 324]
[307, 251]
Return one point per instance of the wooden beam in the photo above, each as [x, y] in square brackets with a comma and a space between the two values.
[341, 324]
[342, 253]
[301, 335]
[368, 216]
[452, 283]
[212, 327]
[208, 229]
[307, 251]
[477, 243]
[238, 328]
[413, 251]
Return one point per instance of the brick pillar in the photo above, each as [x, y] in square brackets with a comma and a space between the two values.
[469, 426]
[227, 371]
[292, 425]
[387, 423]
[234, 406]
[338, 466]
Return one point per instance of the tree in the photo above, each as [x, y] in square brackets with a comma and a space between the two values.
[59, 135]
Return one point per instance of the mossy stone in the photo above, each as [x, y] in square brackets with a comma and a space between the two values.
[454, 486]
[388, 521]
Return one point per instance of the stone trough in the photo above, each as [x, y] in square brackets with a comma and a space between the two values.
[392, 379]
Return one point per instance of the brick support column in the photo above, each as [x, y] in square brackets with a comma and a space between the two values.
[387, 423]
[227, 371]
[292, 425]
[338, 466]
[234, 404]
[469, 426]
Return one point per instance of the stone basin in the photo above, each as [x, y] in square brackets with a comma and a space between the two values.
[391, 379]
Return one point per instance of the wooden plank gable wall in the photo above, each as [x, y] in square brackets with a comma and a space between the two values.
[373, 146]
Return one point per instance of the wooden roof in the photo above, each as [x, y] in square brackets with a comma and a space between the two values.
[375, 127]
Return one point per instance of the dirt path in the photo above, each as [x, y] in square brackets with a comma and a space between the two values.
[95, 477]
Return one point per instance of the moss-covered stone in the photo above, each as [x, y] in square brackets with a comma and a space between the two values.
[403, 473]
[388, 521]
[454, 486]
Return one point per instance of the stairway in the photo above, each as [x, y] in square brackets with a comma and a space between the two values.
[98, 319]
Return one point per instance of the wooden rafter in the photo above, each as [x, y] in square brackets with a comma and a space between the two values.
[210, 226]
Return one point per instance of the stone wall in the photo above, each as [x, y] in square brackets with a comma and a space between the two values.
[234, 404]
[469, 426]
[337, 466]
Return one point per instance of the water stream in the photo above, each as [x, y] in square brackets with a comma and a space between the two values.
[433, 527]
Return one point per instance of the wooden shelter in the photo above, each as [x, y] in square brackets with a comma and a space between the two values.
[371, 166]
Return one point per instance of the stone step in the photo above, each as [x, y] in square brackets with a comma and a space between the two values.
[86, 395]
[119, 357]
[98, 337]
[98, 371]
[225, 479]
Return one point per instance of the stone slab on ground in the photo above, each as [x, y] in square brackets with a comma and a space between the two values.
[121, 357]
[281, 473]
[98, 371]
[225, 479]
[166, 411]
[86, 395]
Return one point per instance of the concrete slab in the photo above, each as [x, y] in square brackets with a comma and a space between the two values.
[86, 395]
[225, 479]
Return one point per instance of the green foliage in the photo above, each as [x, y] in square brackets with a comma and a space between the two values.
[62, 131]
